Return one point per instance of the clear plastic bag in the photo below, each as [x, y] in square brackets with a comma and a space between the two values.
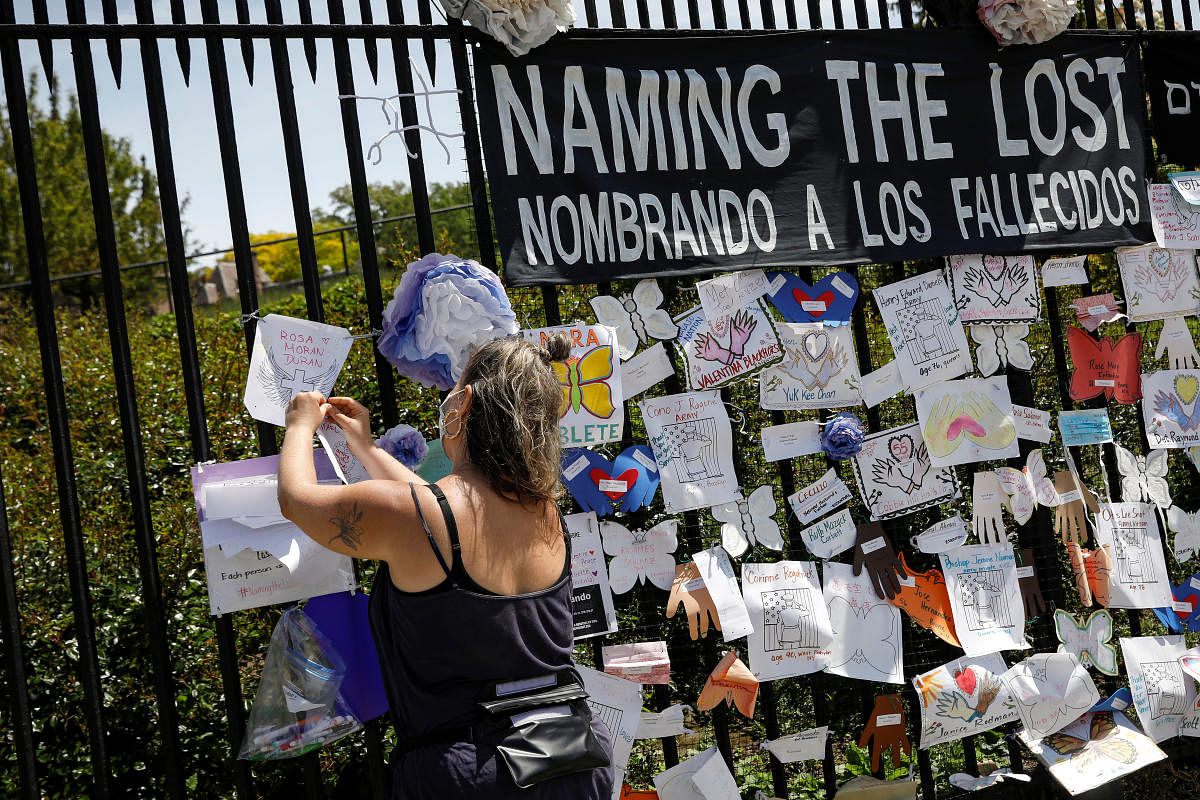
[298, 707]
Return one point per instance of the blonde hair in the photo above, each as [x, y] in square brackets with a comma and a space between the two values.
[512, 428]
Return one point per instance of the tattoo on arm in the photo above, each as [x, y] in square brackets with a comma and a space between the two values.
[346, 522]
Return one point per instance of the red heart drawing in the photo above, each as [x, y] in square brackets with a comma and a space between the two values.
[965, 679]
[1192, 600]
[802, 296]
[591, 552]
[629, 476]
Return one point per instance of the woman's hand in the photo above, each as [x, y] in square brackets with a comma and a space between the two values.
[306, 411]
[355, 421]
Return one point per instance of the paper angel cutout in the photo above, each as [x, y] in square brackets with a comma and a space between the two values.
[877, 655]
[1104, 367]
[1092, 312]
[830, 300]
[636, 316]
[640, 556]
[1051, 690]
[1088, 641]
[747, 521]
[924, 597]
[291, 356]
[1000, 346]
[1143, 478]
[596, 483]
[1028, 486]
[1186, 525]
[732, 682]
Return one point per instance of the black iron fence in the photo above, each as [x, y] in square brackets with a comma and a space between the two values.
[227, 43]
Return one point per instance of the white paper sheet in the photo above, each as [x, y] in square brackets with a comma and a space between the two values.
[617, 703]
[1051, 690]
[1158, 282]
[804, 746]
[648, 368]
[721, 582]
[791, 440]
[791, 623]
[882, 384]
[867, 642]
[693, 446]
[995, 289]
[1162, 693]
[663, 724]
[1064, 271]
[819, 497]
[895, 477]
[985, 596]
[591, 598]
[827, 537]
[291, 356]
[927, 336]
[701, 777]
[1032, 424]
[592, 411]
[1139, 579]
[1176, 222]
[252, 579]
[725, 294]
[963, 698]
[1171, 407]
[967, 420]
[819, 369]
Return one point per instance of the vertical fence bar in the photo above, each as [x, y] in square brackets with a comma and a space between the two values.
[472, 147]
[42, 300]
[1089, 13]
[13, 653]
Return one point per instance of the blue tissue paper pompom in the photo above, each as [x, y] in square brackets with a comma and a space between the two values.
[842, 437]
[405, 444]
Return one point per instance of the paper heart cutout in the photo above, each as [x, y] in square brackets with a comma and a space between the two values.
[582, 470]
[839, 292]
[816, 344]
[628, 477]
[927, 602]
[1182, 621]
[1185, 387]
[1160, 260]
[965, 678]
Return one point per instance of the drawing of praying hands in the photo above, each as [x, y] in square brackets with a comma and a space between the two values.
[708, 348]
[999, 430]
[1176, 341]
[938, 425]
[688, 588]
[740, 328]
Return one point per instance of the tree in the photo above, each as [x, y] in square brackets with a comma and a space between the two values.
[281, 260]
[67, 205]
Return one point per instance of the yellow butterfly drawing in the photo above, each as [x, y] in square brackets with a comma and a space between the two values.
[585, 382]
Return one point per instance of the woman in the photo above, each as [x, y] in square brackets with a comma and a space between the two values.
[474, 585]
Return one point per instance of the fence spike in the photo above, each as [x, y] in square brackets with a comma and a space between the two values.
[183, 47]
[41, 16]
[113, 45]
[428, 46]
[310, 44]
[370, 44]
[247, 45]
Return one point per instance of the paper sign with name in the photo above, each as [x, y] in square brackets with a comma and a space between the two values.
[963, 698]
[830, 536]
[1064, 271]
[640, 662]
[1086, 426]
[804, 746]
[1159, 282]
[867, 642]
[1176, 221]
[648, 368]
[941, 537]
[829, 301]
[791, 622]
[1130, 534]
[719, 352]
[291, 356]
[791, 440]
[334, 443]
[819, 369]
[663, 724]
[1162, 692]
[617, 703]
[1171, 407]
[895, 477]
[819, 497]
[693, 447]
[1051, 690]
[725, 294]
[994, 289]
[985, 594]
[927, 335]
[591, 598]
[1033, 424]
[721, 582]
[967, 420]
[882, 384]
[590, 379]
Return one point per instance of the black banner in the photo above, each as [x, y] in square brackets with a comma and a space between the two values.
[632, 157]
[1173, 83]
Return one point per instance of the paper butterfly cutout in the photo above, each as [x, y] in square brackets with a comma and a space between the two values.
[636, 316]
[640, 556]
[1193, 455]
[1000, 346]
[1028, 486]
[1186, 525]
[1090, 641]
[585, 382]
[839, 293]
[923, 596]
[1104, 742]
[879, 653]
[1187, 620]
[596, 483]
[1143, 478]
[731, 682]
[745, 522]
[1104, 367]
[1095, 310]
[1171, 404]
[1119, 700]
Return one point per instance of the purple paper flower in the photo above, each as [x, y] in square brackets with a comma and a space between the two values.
[842, 437]
[405, 444]
[444, 307]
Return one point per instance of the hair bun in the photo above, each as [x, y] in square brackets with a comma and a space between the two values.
[558, 347]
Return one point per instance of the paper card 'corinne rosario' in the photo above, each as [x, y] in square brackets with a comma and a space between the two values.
[1096, 749]
[819, 369]
[1158, 282]
[291, 356]
[1171, 407]
[1130, 534]
[866, 628]
[927, 335]
[718, 352]
[895, 477]
[791, 625]
[967, 420]
[994, 290]
[693, 447]
[591, 412]
[963, 698]
[985, 594]
[1162, 693]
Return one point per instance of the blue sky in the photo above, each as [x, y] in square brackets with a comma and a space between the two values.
[193, 130]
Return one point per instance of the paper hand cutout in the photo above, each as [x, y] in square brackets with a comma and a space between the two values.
[732, 682]
[1089, 641]
[1143, 478]
[1070, 517]
[1031, 588]
[749, 520]
[1027, 487]
[595, 483]
[640, 556]
[636, 317]
[1186, 525]
[688, 588]
[987, 518]
[1104, 367]
[1092, 569]
[970, 415]
[1176, 341]
[873, 550]
[927, 602]
[1000, 346]
[887, 729]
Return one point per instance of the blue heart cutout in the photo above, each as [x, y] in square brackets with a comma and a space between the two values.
[1175, 623]
[837, 311]
[577, 477]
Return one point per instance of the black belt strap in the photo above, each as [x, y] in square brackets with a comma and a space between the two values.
[449, 735]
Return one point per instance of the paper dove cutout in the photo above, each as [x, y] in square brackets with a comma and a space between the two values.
[1051, 691]
[1000, 346]
[732, 682]
[1027, 487]
[1143, 478]
[636, 316]
[1186, 525]
[747, 521]
[1088, 641]
[640, 556]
